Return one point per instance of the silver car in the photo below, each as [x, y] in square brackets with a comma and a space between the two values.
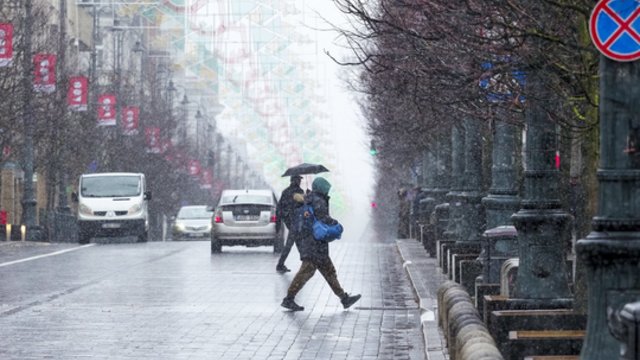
[193, 222]
[245, 217]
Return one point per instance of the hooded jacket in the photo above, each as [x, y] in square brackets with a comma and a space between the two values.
[286, 205]
[311, 249]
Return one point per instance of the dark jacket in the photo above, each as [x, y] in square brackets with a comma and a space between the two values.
[311, 249]
[286, 204]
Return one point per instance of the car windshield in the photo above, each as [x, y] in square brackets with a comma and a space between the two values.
[194, 213]
[246, 199]
[110, 186]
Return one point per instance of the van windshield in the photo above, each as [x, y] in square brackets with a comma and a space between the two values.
[110, 186]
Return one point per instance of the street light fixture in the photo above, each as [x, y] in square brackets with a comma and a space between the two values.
[184, 103]
[171, 87]
[199, 134]
[139, 49]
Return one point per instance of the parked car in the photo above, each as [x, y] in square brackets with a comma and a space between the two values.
[246, 217]
[192, 222]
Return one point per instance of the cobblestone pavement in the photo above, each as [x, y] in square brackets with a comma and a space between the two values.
[174, 300]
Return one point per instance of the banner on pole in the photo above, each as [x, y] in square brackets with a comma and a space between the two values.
[152, 137]
[107, 110]
[44, 73]
[77, 95]
[130, 120]
[194, 167]
[207, 179]
[6, 44]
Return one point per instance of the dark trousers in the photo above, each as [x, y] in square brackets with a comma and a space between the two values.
[307, 269]
[287, 248]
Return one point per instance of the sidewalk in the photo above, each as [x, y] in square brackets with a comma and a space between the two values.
[425, 278]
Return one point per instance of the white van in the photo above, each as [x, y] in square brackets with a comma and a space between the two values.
[112, 204]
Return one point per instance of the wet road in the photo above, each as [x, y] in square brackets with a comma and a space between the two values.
[175, 300]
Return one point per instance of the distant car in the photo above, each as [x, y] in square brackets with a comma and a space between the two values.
[246, 217]
[192, 223]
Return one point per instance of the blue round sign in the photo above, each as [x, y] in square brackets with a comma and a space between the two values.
[615, 29]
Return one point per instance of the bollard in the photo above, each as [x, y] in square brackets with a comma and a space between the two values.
[466, 334]
[443, 296]
[624, 325]
[479, 350]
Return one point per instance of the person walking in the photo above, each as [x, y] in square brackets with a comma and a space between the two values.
[314, 254]
[404, 214]
[284, 213]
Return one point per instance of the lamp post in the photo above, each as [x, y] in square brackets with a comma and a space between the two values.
[28, 196]
[139, 49]
[185, 117]
[171, 89]
[199, 133]
[612, 249]
[63, 206]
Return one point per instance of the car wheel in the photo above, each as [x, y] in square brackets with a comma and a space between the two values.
[144, 237]
[83, 237]
[216, 247]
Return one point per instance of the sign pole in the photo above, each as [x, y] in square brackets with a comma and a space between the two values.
[611, 251]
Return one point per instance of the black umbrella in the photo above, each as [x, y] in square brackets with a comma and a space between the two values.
[304, 169]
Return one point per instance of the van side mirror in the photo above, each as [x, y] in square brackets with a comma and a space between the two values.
[74, 196]
[147, 195]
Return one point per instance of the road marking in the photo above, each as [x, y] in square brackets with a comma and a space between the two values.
[45, 255]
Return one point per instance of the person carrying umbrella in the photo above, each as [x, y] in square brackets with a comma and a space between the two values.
[314, 253]
[284, 213]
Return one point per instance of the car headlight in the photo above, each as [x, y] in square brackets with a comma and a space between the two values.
[179, 226]
[135, 209]
[85, 210]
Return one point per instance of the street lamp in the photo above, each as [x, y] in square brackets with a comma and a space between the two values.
[28, 197]
[184, 103]
[199, 134]
[139, 49]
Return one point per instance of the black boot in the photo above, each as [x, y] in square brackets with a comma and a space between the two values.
[288, 303]
[348, 300]
[282, 269]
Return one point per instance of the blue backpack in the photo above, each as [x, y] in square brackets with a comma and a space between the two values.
[303, 218]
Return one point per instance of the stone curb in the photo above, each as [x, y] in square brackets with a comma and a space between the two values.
[425, 279]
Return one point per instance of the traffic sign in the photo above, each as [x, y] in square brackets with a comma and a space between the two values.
[615, 29]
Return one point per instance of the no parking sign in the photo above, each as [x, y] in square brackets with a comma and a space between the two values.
[615, 29]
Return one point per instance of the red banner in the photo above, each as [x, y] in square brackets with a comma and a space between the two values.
[77, 95]
[165, 145]
[44, 72]
[194, 167]
[152, 136]
[106, 110]
[6, 44]
[130, 119]
[207, 179]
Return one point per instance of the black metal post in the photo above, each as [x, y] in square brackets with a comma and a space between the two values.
[443, 183]
[428, 203]
[471, 196]
[453, 231]
[28, 195]
[502, 200]
[543, 227]
[612, 249]
[63, 205]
